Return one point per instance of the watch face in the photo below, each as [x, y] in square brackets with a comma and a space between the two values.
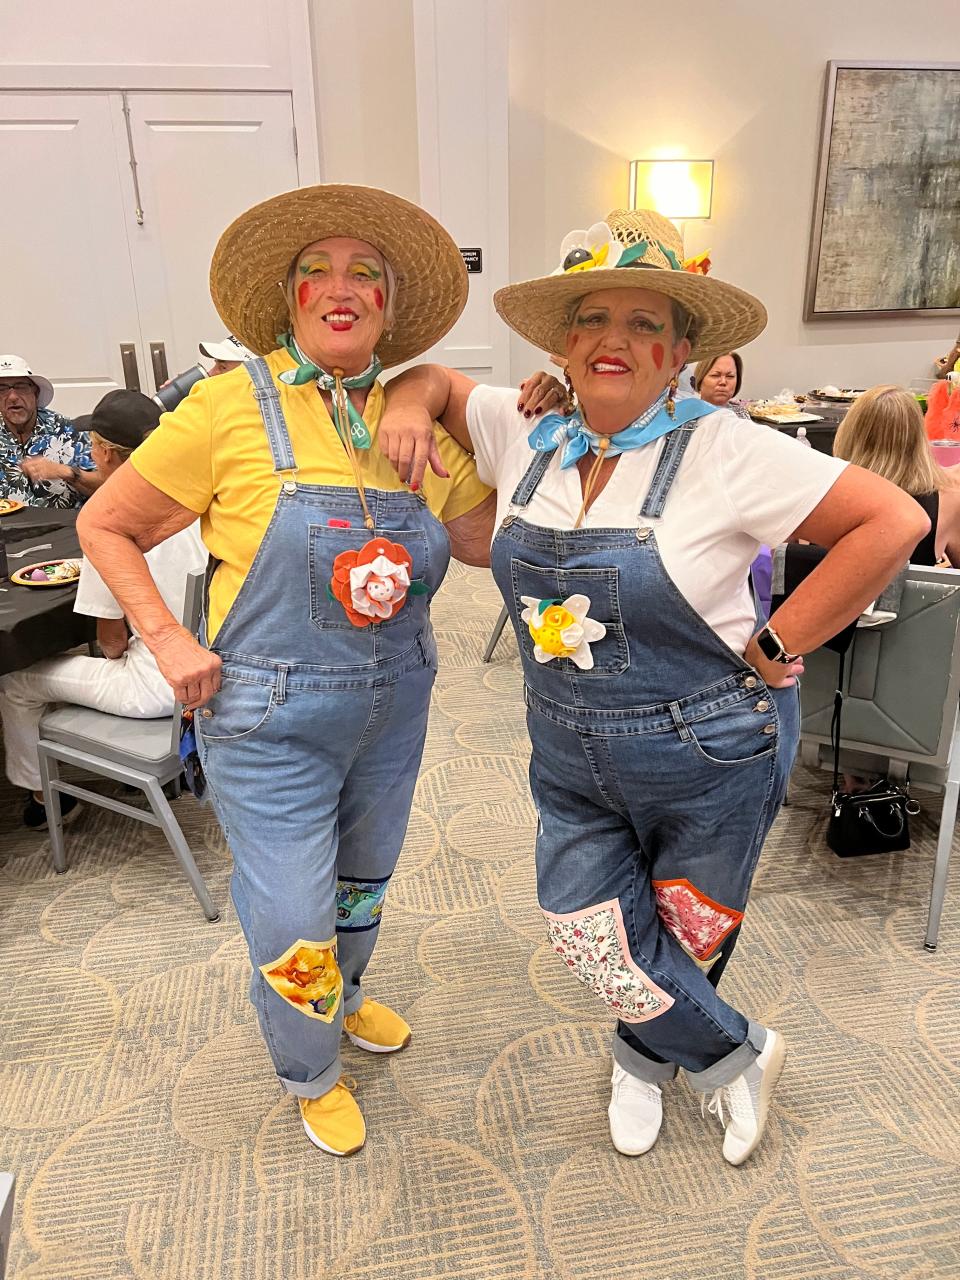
[768, 646]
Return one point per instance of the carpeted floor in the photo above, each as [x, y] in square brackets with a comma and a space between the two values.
[138, 1110]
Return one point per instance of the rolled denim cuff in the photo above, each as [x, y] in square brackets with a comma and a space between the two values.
[638, 1065]
[733, 1065]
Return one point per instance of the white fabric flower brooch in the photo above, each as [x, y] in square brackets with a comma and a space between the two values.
[561, 629]
[585, 250]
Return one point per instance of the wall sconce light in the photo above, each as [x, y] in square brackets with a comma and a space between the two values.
[679, 189]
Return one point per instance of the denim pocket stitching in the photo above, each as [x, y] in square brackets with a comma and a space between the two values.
[235, 737]
[701, 751]
[609, 579]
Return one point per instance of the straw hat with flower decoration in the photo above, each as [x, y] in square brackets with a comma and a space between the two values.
[249, 268]
[602, 257]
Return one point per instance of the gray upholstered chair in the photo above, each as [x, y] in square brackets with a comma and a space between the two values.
[6, 1219]
[140, 753]
[901, 691]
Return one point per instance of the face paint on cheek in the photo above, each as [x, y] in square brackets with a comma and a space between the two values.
[303, 292]
[657, 352]
[378, 298]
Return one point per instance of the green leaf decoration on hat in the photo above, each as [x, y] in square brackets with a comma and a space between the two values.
[670, 256]
[629, 256]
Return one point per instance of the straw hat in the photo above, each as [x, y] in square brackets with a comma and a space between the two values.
[600, 258]
[249, 268]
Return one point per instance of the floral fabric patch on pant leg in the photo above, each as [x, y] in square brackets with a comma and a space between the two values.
[593, 943]
[697, 922]
[360, 903]
[307, 976]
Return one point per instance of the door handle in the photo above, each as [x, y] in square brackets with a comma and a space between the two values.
[158, 355]
[131, 373]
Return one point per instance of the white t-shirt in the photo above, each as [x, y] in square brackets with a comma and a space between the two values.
[740, 485]
[170, 563]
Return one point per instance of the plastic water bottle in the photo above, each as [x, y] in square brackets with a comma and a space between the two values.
[802, 437]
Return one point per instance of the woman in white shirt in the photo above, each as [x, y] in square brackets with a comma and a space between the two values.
[663, 716]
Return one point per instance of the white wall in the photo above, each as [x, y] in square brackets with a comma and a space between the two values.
[593, 86]
[366, 92]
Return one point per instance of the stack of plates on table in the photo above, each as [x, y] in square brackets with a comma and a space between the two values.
[840, 395]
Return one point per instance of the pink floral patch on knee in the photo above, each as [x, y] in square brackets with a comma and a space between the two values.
[593, 944]
[697, 922]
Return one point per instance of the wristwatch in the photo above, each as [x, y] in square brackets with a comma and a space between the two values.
[772, 647]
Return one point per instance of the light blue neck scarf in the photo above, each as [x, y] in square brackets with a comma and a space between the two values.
[309, 372]
[576, 437]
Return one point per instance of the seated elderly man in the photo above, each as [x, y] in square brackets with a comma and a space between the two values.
[44, 458]
[226, 355]
[125, 681]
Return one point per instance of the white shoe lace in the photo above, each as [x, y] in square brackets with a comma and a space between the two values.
[736, 1097]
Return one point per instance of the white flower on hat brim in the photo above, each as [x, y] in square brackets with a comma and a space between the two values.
[588, 250]
[17, 367]
[539, 309]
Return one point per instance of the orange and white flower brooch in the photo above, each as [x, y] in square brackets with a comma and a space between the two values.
[373, 583]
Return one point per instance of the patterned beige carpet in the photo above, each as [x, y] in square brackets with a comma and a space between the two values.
[138, 1110]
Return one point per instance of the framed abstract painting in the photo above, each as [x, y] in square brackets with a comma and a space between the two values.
[886, 223]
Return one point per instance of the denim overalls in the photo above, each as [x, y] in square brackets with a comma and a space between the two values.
[656, 775]
[312, 748]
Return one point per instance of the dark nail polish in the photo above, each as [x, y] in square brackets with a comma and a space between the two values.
[526, 413]
[538, 409]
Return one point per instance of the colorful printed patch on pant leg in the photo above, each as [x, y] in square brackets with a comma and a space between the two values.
[593, 944]
[307, 976]
[697, 922]
[360, 903]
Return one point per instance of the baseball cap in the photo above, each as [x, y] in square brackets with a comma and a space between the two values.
[122, 417]
[230, 348]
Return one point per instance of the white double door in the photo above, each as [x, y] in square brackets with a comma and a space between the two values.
[102, 289]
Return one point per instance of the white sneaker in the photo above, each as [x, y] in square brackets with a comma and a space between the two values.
[635, 1111]
[742, 1105]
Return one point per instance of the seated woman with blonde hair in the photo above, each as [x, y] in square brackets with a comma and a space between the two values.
[884, 432]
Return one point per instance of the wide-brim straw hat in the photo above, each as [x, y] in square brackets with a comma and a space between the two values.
[250, 263]
[650, 251]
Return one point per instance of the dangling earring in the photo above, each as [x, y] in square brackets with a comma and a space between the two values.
[671, 404]
[571, 402]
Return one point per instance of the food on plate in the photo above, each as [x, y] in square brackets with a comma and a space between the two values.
[57, 572]
[9, 504]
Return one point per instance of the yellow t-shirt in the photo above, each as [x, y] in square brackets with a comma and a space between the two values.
[212, 455]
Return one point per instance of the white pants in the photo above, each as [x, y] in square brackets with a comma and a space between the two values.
[127, 686]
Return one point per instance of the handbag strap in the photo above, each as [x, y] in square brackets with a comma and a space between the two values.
[835, 727]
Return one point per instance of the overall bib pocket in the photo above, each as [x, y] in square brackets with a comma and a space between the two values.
[326, 544]
[611, 653]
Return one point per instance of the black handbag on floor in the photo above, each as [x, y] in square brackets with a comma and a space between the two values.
[861, 822]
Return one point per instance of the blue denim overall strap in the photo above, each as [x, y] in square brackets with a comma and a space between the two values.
[657, 768]
[312, 746]
[285, 614]
[268, 401]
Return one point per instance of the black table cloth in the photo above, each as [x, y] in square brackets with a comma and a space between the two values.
[37, 622]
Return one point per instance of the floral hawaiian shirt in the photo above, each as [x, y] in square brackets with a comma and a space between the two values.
[54, 437]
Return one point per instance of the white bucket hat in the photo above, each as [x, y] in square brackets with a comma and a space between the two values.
[17, 367]
[230, 348]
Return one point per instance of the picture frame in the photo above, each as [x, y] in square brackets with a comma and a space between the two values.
[885, 238]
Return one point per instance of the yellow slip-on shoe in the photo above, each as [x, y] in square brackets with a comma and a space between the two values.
[376, 1028]
[334, 1122]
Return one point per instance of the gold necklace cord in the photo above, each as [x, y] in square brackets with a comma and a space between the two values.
[343, 414]
[603, 444]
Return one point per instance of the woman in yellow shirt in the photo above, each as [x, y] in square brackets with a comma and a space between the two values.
[315, 688]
